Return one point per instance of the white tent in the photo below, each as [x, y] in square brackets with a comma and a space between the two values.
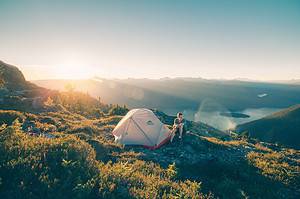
[141, 127]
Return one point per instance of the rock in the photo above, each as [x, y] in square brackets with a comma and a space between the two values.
[189, 149]
[13, 78]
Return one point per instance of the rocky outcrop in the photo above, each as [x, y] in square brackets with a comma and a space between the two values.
[17, 93]
[12, 78]
[192, 149]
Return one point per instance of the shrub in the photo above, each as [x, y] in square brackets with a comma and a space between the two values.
[7, 117]
[143, 180]
[276, 166]
[118, 110]
[34, 167]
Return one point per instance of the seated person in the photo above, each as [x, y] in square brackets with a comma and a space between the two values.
[179, 126]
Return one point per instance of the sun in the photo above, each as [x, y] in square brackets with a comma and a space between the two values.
[74, 72]
[74, 69]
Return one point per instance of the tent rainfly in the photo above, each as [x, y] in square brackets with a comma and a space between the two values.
[141, 127]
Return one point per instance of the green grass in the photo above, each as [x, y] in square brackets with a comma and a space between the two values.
[68, 167]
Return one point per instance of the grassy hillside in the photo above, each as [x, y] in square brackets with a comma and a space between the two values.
[68, 155]
[282, 127]
[64, 149]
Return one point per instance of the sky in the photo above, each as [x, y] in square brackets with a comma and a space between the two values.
[71, 39]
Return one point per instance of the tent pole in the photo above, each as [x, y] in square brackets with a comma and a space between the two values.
[142, 131]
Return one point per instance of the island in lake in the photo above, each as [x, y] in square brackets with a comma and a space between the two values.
[234, 114]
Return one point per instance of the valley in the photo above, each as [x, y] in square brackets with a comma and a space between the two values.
[199, 99]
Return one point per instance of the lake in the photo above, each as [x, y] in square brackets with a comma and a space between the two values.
[222, 121]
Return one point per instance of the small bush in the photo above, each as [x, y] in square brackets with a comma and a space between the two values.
[143, 180]
[7, 117]
[276, 166]
[118, 110]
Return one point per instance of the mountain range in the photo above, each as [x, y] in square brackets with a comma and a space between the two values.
[172, 95]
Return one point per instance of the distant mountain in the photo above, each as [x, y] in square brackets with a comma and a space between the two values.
[292, 81]
[118, 92]
[282, 127]
[186, 93]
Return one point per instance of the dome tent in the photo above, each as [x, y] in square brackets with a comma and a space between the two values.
[141, 127]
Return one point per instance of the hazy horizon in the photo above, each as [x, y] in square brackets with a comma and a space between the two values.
[257, 40]
[181, 77]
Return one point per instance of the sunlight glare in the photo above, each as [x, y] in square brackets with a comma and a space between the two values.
[74, 69]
